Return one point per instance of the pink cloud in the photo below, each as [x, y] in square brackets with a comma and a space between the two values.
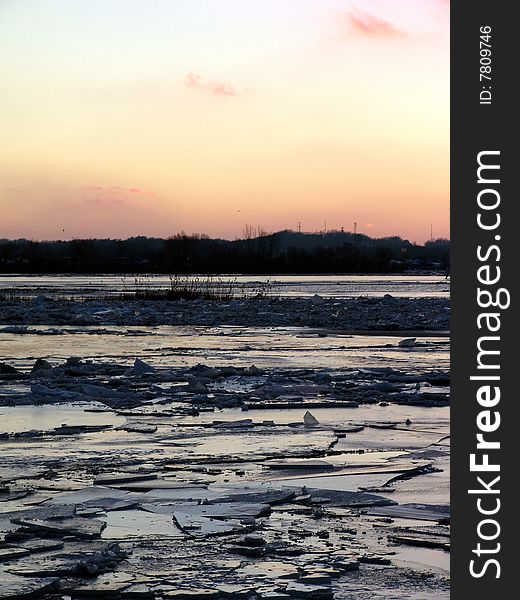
[103, 200]
[217, 88]
[115, 194]
[370, 25]
[142, 192]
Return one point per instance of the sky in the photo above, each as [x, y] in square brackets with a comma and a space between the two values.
[151, 117]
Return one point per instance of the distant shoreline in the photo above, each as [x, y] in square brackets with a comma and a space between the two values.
[408, 273]
[276, 253]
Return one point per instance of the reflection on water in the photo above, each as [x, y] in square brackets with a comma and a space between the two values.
[409, 557]
[431, 418]
[282, 285]
[239, 346]
[15, 419]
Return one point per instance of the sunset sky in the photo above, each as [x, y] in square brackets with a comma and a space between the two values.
[148, 117]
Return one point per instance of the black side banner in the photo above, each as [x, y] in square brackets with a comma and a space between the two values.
[484, 328]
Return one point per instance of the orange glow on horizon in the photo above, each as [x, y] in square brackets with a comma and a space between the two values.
[205, 118]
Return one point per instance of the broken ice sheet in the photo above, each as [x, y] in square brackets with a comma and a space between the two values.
[251, 444]
[215, 510]
[76, 527]
[126, 524]
[149, 479]
[347, 483]
[13, 587]
[388, 439]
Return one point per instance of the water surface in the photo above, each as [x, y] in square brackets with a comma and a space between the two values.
[338, 286]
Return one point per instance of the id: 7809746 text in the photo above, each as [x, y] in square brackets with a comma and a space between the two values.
[485, 65]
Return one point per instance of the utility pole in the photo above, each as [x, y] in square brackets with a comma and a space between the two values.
[355, 228]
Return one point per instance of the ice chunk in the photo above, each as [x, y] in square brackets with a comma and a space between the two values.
[309, 420]
[140, 367]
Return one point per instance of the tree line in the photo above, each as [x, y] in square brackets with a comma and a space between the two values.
[281, 252]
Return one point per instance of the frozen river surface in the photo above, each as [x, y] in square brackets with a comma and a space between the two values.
[276, 460]
[339, 286]
[217, 346]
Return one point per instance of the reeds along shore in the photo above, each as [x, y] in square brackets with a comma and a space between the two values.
[198, 288]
